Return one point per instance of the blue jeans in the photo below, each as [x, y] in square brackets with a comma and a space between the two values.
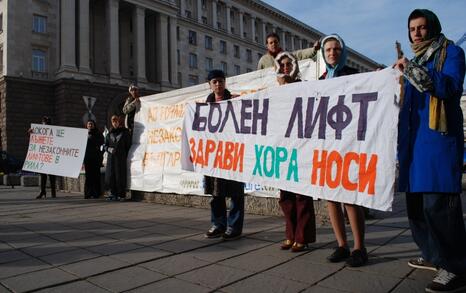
[437, 226]
[219, 212]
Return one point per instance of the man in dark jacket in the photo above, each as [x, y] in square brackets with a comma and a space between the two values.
[430, 151]
[230, 227]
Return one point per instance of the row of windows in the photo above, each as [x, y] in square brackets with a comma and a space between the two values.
[192, 61]
[39, 23]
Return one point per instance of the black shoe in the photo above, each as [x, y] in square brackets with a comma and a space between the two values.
[445, 281]
[358, 258]
[421, 263]
[340, 254]
[42, 194]
[230, 234]
[214, 232]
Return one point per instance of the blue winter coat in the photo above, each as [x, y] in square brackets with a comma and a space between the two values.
[431, 161]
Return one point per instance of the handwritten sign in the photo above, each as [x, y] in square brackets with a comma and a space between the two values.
[332, 139]
[56, 150]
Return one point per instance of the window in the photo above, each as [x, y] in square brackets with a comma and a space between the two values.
[193, 79]
[192, 60]
[39, 24]
[188, 14]
[249, 55]
[1, 22]
[38, 61]
[223, 67]
[223, 47]
[248, 70]
[237, 70]
[204, 5]
[192, 38]
[236, 49]
[209, 63]
[204, 20]
[178, 33]
[180, 79]
[208, 42]
[178, 59]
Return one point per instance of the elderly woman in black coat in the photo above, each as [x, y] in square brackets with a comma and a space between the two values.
[93, 161]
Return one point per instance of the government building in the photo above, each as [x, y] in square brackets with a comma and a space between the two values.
[53, 53]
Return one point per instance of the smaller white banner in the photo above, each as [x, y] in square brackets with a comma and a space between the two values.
[56, 150]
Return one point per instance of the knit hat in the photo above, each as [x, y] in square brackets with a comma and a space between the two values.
[216, 73]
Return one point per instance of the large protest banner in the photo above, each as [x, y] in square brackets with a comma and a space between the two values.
[332, 139]
[156, 147]
[56, 150]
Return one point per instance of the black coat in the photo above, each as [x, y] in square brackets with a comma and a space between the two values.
[117, 145]
[218, 186]
[93, 155]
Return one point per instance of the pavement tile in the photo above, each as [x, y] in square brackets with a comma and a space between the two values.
[246, 244]
[301, 271]
[404, 251]
[21, 267]
[47, 249]
[3, 289]
[422, 275]
[176, 264]
[150, 239]
[370, 283]
[213, 276]
[320, 289]
[180, 245]
[256, 261]
[33, 240]
[37, 280]
[140, 255]
[67, 257]
[410, 286]
[215, 253]
[75, 287]
[114, 247]
[394, 221]
[71, 235]
[91, 241]
[126, 279]
[94, 266]
[171, 285]
[12, 255]
[266, 284]
[380, 234]
[385, 266]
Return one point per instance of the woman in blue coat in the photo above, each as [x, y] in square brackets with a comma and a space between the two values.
[430, 149]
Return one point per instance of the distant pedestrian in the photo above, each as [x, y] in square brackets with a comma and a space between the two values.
[93, 161]
[335, 52]
[43, 177]
[273, 49]
[117, 145]
[430, 151]
[298, 209]
[231, 227]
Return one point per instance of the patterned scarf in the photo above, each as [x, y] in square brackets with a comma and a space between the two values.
[418, 76]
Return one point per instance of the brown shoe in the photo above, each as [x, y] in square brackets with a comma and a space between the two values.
[298, 247]
[287, 244]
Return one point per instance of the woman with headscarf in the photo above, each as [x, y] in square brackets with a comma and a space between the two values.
[335, 53]
[298, 209]
[93, 161]
[430, 151]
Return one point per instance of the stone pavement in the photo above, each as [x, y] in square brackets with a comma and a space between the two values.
[70, 245]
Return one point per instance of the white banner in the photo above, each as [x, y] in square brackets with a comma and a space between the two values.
[156, 149]
[56, 150]
[333, 139]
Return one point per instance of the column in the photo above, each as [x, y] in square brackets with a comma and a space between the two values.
[114, 42]
[283, 40]
[264, 32]
[214, 14]
[228, 19]
[241, 24]
[199, 11]
[292, 42]
[139, 28]
[253, 28]
[84, 36]
[172, 50]
[68, 36]
[162, 49]
[182, 7]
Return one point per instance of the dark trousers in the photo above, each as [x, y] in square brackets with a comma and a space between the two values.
[437, 226]
[43, 184]
[92, 186]
[299, 217]
[219, 212]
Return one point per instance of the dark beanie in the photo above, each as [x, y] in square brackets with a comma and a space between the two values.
[216, 73]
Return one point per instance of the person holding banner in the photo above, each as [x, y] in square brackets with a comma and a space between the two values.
[93, 161]
[273, 48]
[231, 227]
[131, 105]
[43, 177]
[117, 145]
[335, 53]
[298, 209]
[430, 151]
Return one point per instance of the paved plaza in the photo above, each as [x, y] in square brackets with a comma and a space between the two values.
[70, 245]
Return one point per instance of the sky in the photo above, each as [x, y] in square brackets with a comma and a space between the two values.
[371, 27]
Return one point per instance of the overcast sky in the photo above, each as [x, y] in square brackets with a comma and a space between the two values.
[371, 27]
